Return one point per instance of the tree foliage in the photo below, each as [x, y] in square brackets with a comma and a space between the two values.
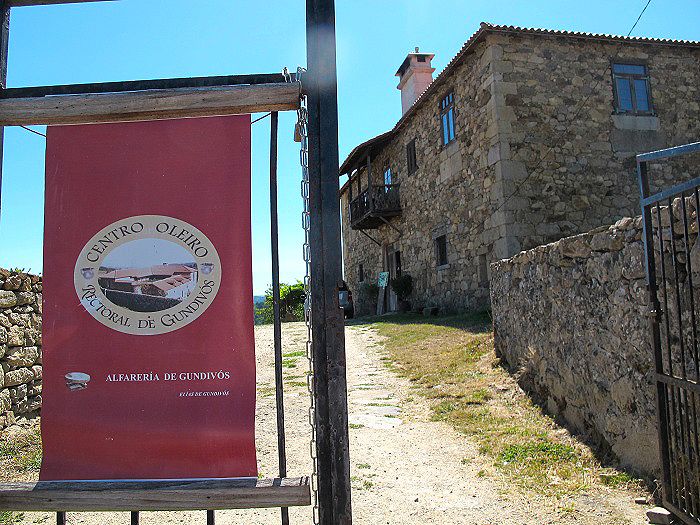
[292, 297]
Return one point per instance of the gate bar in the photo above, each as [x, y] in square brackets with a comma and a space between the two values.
[26, 3]
[667, 153]
[277, 321]
[654, 324]
[196, 494]
[672, 192]
[153, 104]
[680, 383]
[4, 44]
[141, 85]
[330, 386]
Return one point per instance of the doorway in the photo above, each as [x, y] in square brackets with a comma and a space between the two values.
[393, 266]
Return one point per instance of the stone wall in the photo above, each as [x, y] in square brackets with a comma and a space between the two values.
[517, 95]
[20, 346]
[570, 320]
[588, 178]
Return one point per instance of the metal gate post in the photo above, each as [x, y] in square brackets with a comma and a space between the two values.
[654, 314]
[330, 388]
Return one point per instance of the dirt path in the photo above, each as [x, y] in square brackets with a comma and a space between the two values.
[406, 469]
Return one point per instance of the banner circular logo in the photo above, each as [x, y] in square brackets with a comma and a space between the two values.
[147, 275]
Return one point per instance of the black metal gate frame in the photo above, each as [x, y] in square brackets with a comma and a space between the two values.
[675, 392]
[320, 88]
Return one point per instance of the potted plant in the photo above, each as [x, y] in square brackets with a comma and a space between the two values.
[403, 287]
[368, 297]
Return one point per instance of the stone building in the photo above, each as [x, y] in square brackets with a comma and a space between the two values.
[527, 136]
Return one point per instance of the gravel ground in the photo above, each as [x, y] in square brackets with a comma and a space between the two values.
[406, 469]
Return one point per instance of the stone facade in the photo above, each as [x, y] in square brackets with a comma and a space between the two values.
[444, 195]
[20, 346]
[540, 154]
[570, 320]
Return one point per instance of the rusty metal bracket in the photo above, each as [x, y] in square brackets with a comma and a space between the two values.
[375, 241]
[391, 226]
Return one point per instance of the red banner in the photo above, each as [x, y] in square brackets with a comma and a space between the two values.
[149, 366]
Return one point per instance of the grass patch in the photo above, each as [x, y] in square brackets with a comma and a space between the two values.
[9, 518]
[542, 463]
[296, 383]
[289, 363]
[361, 484]
[451, 362]
[356, 425]
[266, 391]
[23, 453]
[537, 453]
[616, 479]
[478, 397]
[298, 353]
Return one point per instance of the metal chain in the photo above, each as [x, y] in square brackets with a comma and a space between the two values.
[301, 135]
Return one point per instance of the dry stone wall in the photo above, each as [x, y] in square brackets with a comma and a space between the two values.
[570, 320]
[20, 346]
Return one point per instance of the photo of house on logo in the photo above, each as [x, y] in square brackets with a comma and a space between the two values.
[148, 275]
[174, 281]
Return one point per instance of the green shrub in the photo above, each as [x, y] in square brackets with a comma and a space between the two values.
[402, 286]
[292, 297]
[370, 289]
[368, 293]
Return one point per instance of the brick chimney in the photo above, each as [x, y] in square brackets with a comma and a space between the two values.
[415, 74]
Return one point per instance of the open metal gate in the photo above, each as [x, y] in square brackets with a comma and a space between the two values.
[672, 248]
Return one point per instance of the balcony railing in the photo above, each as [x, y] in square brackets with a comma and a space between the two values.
[374, 204]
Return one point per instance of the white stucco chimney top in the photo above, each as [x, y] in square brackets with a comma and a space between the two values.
[415, 75]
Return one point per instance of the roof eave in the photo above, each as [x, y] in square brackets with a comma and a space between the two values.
[477, 37]
[358, 152]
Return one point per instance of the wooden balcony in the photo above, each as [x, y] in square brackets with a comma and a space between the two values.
[374, 206]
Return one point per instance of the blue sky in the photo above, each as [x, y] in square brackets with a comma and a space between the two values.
[136, 39]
